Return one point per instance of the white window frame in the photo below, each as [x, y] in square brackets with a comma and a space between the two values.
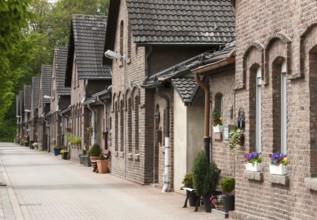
[283, 109]
[258, 111]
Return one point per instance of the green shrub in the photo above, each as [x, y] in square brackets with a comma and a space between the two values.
[227, 184]
[57, 147]
[188, 180]
[205, 174]
[101, 156]
[95, 150]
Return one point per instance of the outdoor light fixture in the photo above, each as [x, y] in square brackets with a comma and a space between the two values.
[230, 112]
[113, 55]
[157, 117]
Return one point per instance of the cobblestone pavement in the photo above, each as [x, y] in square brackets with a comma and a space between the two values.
[42, 186]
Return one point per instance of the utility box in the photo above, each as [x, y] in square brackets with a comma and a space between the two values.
[226, 131]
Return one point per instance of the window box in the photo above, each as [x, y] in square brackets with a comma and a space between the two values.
[253, 167]
[217, 128]
[280, 169]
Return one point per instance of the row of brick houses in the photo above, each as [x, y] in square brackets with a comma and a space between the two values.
[172, 63]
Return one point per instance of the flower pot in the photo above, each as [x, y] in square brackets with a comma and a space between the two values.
[253, 166]
[64, 156]
[228, 202]
[94, 158]
[206, 199]
[217, 128]
[278, 169]
[192, 198]
[56, 151]
[87, 162]
[102, 166]
[81, 159]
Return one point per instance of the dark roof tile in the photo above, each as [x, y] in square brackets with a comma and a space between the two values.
[60, 56]
[185, 88]
[182, 21]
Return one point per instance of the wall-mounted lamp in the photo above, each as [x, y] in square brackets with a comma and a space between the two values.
[157, 117]
[241, 119]
[230, 112]
[113, 55]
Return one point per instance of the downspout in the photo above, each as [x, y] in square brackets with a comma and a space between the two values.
[207, 113]
[93, 122]
[167, 140]
[105, 118]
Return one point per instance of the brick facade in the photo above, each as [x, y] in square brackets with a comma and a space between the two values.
[268, 34]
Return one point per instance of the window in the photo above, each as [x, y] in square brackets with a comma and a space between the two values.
[283, 109]
[121, 127]
[121, 38]
[129, 126]
[279, 108]
[258, 114]
[129, 42]
[136, 125]
[219, 102]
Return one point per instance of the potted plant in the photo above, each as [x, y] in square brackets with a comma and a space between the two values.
[216, 120]
[278, 163]
[57, 150]
[188, 183]
[205, 178]
[64, 154]
[102, 164]
[94, 152]
[227, 186]
[236, 137]
[253, 161]
[81, 156]
[216, 201]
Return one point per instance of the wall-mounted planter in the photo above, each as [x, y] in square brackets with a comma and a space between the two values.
[217, 128]
[130, 156]
[278, 170]
[136, 156]
[253, 167]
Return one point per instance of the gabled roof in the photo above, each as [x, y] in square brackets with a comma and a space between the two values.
[183, 22]
[27, 97]
[60, 56]
[35, 91]
[87, 38]
[185, 88]
[46, 79]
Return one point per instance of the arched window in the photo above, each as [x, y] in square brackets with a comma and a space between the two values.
[279, 83]
[129, 42]
[121, 126]
[116, 128]
[129, 125]
[136, 125]
[219, 102]
[258, 112]
[121, 38]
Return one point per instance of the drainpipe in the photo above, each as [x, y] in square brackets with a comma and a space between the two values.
[167, 140]
[93, 122]
[105, 118]
[207, 113]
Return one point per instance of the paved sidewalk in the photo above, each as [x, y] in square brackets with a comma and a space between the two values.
[42, 186]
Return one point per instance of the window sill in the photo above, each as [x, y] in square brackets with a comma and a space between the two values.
[121, 154]
[136, 157]
[311, 183]
[116, 154]
[130, 156]
[253, 175]
[279, 179]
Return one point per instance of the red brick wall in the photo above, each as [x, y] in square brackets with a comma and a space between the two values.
[275, 28]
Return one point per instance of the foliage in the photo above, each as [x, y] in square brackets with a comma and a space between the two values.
[227, 184]
[216, 200]
[95, 150]
[216, 117]
[205, 174]
[188, 180]
[101, 156]
[73, 139]
[278, 158]
[234, 137]
[253, 157]
[57, 147]
[84, 151]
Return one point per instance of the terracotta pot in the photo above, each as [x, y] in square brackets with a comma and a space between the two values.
[102, 166]
[93, 158]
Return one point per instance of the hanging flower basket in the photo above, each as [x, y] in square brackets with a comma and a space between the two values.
[253, 166]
